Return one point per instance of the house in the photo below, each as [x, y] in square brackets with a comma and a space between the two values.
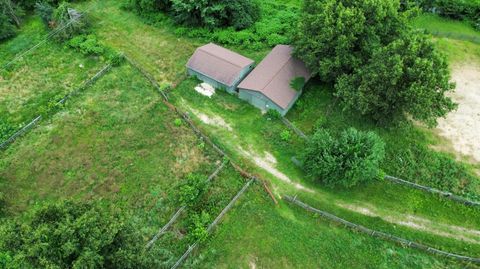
[219, 67]
[268, 86]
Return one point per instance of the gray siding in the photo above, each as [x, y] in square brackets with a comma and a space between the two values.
[219, 85]
[260, 101]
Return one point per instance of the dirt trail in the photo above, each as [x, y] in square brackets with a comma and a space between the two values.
[418, 223]
[462, 127]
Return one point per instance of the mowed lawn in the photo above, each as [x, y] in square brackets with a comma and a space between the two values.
[115, 142]
[28, 85]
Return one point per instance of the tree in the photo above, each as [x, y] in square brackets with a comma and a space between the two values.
[239, 14]
[76, 235]
[351, 159]
[379, 66]
[145, 7]
[69, 22]
[406, 77]
[336, 37]
[10, 14]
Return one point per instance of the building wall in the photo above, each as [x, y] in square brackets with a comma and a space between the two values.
[262, 102]
[219, 85]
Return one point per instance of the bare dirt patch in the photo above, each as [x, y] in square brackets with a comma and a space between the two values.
[461, 127]
[212, 120]
[268, 162]
[419, 223]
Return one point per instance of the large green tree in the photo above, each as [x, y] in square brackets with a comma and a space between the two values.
[380, 67]
[406, 77]
[76, 235]
[239, 14]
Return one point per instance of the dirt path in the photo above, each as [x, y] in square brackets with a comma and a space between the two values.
[462, 127]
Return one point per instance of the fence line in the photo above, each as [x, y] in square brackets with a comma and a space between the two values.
[213, 224]
[445, 194]
[180, 210]
[35, 121]
[381, 235]
[294, 128]
[448, 195]
[147, 76]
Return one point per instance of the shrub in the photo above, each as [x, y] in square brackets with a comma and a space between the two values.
[10, 14]
[297, 83]
[86, 44]
[45, 11]
[273, 114]
[285, 135]
[3, 207]
[351, 159]
[6, 130]
[197, 230]
[177, 122]
[192, 189]
[69, 22]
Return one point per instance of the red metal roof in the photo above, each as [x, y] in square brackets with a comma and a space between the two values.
[218, 63]
[272, 77]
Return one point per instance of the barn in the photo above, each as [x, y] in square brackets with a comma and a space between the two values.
[268, 86]
[219, 67]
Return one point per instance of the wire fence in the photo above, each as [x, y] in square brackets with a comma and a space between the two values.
[381, 235]
[213, 224]
[181, 210]
[35, 121]
[445, 194]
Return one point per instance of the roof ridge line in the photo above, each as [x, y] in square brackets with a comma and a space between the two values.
[211, 54]
[278, 71]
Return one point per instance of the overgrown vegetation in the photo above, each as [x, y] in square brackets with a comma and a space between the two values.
[347, 161]
[468, 10]
[10, 14]
[75, 235]
[361, 45]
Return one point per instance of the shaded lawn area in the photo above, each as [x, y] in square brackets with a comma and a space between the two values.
[251, 137]
[444, 26]
[43, 76]
[116, 142]
[257, 235]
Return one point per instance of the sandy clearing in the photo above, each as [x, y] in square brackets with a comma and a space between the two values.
[418, 223]
[268, 162]
[461, 127]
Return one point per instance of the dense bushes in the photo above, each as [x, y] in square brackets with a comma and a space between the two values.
[192, 189]
[239, 14]
[380, 66]
[346, 161]
[456, 9]
[75, 235]
[10, 14]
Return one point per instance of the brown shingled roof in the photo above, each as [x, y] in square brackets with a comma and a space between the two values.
[218, 63]
[272, 77]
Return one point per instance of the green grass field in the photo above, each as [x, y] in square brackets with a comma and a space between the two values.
[117, 142]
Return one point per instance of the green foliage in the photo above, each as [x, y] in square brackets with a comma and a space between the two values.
[286, 135]
[455, 9]
[197, 229]
[145, 7]
[273, 114]
[178, 122]
[6, 130]
[74, 235]
[379, 65]
[406, 77]
[298, 83]
[239, 14]
[351, 159]
[45, 11]
[10, 14]
[69, 22]
[192, 189]
[86, 44]
[3, 207]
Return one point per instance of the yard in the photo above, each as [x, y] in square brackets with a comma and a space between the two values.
[118, 142]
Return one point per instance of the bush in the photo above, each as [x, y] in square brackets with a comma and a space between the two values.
[197, 229]
[6, 130]
[273, 114]
[3, 208]
[75, 235]
[87, 45]
[192, 189]
[285, 135]
[9, 20]
[45, 11]
[69, 22]
[177, 122]
[351, 159]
